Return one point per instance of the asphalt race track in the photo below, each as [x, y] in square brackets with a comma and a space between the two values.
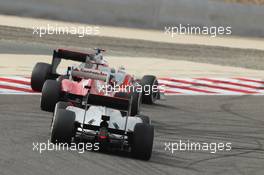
[235, 119]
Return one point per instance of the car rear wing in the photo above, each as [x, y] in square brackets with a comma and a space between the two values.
[59, 54]
[71, 55]
[120, 104]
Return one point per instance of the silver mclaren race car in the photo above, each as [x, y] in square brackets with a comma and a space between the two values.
[103, 119]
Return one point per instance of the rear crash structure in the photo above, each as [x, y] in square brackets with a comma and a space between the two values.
[105, 120]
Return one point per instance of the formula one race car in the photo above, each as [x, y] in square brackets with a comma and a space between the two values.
[104, 120]
[94, 73]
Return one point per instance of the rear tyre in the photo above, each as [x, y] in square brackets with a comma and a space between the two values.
[40, 73]
[142, 141]
[51, 93]
[63, 127]
[149, 83]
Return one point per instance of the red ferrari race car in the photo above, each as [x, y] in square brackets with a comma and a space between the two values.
[94, 74]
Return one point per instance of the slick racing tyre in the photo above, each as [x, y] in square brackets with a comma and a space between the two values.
[142, 141]
[63, 127]
[51, 93]
[149, 83]
[40, 74]
[136, 101]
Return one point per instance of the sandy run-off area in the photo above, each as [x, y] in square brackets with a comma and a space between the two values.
[23, 65]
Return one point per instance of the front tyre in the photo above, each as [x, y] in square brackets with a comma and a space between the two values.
[51, 93]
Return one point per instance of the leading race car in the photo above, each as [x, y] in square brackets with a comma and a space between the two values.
[71, 86]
